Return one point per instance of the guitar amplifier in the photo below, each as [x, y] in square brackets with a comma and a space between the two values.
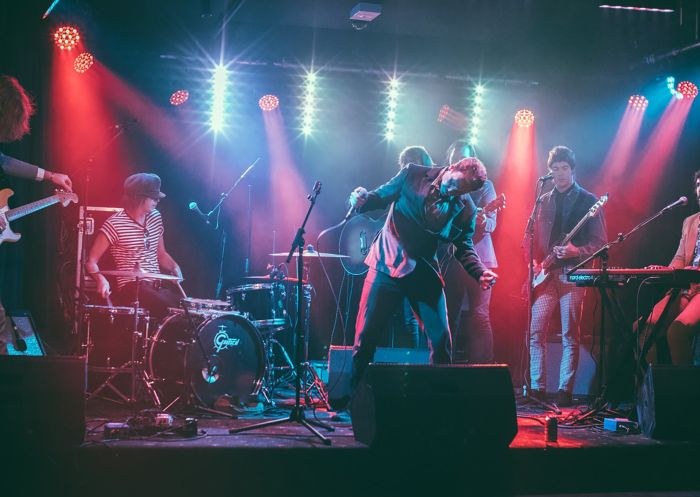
[340, 365]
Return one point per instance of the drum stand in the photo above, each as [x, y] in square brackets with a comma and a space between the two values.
[133, 367]
[297, 414]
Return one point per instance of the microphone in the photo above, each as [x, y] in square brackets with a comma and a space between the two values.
[545, 178]
[194, 207]
[681, 201]
[351, 211]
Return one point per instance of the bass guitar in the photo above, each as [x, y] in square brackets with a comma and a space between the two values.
[8, 215]
[543, 273]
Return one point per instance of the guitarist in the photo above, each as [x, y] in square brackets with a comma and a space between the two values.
[467, 303]
[560, 210]
[16, 107]
[428, 205]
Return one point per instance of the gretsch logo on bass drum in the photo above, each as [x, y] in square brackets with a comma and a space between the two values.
[223, 341]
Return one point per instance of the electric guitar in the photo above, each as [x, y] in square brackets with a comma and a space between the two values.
[9, 215]
[542, 274]
[358, 234]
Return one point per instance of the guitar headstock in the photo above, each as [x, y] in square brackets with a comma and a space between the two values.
[600, 203]
[66, 198]
[496, 204]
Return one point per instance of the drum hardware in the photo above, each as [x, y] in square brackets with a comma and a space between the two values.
[134, 367]
[297, 414]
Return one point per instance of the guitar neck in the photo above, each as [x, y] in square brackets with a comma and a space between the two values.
[27, 209]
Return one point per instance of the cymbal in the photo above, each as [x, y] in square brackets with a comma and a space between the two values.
[141, 275]
[311, 254]
[267, 278]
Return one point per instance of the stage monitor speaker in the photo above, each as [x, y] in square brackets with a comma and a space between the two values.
[23, 336]
[435, 406]
[340, 366]
[669, 402]
[43, 400]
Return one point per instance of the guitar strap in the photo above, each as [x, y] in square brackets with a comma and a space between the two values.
[3, 176]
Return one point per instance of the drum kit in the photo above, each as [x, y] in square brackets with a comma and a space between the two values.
[201, 351]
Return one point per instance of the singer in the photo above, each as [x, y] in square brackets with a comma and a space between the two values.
[560, 210]
[134, 238]
[682, 322]
[16, 108]
[427, 205]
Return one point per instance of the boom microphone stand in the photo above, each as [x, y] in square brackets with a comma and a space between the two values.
[297, 413]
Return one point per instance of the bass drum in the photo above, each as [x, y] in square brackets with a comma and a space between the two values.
[235, 352]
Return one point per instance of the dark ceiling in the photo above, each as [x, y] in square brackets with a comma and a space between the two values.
[537, 39]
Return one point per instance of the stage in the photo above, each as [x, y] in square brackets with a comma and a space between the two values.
[288, 460]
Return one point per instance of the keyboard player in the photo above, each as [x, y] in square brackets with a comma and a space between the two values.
[682, 320]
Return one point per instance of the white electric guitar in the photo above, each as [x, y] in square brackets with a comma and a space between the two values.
[543, 273]
[8, 215]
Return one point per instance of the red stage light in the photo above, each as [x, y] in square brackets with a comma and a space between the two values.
[524, 118]
[268, 103]
[66, 37]
[638, 102]
[687, 89]
[83, 62]
[179, 97]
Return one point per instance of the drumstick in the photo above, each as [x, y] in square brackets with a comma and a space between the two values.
[184, 295]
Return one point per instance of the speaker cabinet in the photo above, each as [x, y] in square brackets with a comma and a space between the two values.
[43, 400]
[435, 406]
[669, 402]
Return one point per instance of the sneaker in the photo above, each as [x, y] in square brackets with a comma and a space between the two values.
[564, 399]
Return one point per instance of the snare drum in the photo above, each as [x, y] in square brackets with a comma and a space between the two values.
[265, 304]
[232, 344]
[206, 305]
[109, 334]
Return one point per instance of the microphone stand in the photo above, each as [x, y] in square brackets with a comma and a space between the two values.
[217, 209]
[297, 413]
[530, 233]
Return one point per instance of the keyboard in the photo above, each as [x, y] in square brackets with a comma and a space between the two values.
[620, 276]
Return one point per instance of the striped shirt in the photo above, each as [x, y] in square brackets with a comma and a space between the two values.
[131, 243]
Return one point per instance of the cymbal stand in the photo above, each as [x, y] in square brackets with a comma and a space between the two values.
[297, 414]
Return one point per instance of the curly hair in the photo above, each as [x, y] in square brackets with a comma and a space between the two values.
[16, 107]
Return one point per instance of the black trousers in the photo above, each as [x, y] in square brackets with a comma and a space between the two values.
[381, 297]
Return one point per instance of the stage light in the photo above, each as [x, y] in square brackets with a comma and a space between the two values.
[524, 118]
[477, 100]
[217, 117]
[687, 89]
[391, 104]
[638, 9]
[638, 102]
[66, 37]
[179, 97]
[83, 62]
[308, 103]
[268, 103]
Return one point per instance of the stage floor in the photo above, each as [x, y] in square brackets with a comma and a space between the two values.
[287, 460]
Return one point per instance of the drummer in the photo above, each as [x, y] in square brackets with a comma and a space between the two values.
[134, 237]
